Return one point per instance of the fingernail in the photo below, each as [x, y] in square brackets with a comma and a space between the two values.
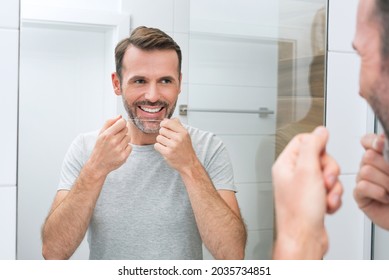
[320, 130]
[374, 144]
[378, 143]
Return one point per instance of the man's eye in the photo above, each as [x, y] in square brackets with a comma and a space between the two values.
[166, 81]
[139, 81]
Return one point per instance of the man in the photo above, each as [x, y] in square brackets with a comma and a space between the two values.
[372, 190]
[149, 187]
[372, 44]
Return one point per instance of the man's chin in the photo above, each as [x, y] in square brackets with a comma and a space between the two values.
[149, 127]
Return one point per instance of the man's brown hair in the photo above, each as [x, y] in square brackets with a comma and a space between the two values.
[145, 38]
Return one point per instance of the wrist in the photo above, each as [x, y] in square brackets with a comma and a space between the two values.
[92, 174]
[300, 246]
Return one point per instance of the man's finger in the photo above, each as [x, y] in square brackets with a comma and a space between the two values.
[109, 123]
[313, 145]
[373, 141]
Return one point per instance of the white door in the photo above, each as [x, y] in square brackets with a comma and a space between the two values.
[65, 89]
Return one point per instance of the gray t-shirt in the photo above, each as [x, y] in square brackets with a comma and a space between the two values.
[143, 211]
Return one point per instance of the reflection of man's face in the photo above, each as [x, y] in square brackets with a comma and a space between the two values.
[150, 86]
[374, 83]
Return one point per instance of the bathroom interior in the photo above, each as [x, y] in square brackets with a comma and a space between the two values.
[255, 73]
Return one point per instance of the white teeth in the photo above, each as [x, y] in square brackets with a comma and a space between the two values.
[151, 110]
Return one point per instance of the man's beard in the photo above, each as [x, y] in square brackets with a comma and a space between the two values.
[381, 112]
[379, 100]
[147, 126]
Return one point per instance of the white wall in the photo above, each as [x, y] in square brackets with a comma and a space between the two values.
[347, 118]
[9, 45]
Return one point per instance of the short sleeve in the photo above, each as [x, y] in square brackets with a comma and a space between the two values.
[219, 165]
[72, 164]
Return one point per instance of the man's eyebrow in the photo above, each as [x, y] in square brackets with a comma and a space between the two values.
[167, 78]
[136, 77]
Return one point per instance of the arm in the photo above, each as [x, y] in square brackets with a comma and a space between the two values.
[68, 220]
[306, 186]
[372, 190]
[217, 213]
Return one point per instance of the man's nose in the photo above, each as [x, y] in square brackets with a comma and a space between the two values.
[152, 93]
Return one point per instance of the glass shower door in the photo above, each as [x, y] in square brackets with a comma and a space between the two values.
[256, 78]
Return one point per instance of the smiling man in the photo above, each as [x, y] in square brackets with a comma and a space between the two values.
[149, 187]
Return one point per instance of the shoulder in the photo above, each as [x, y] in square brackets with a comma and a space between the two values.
[205, 141]
[86, 141]
[199, 134]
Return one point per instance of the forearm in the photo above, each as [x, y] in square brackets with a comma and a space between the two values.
[222, 230]
[67, 223]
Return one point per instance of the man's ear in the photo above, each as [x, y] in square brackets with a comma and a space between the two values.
[116, 83]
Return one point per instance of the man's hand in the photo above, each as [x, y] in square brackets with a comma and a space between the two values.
[306, 187]
[175, 145]
[372, 190]
[112, 147]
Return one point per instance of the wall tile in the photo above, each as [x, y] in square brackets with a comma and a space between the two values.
[341, 22]
[182, 40]
[346, 116]
[346, 227]
[252, 157]
[244, 17]
[8, 105]
[8, 223]
[234, 61]
[9, 14]
[150, 13]
[256, 205]
[181, 16]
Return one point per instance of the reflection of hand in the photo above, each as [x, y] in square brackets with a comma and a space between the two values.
[175, 145]
[306, 186]
[372, 190]
[112, 147]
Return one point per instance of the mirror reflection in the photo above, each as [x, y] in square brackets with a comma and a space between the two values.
[253, 74]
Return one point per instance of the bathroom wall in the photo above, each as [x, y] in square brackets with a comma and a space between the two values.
[348, 118]
[9, 45]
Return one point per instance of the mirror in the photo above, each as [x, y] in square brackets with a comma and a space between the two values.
[253, 74]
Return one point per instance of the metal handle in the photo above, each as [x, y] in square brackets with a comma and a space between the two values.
[263, 112]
